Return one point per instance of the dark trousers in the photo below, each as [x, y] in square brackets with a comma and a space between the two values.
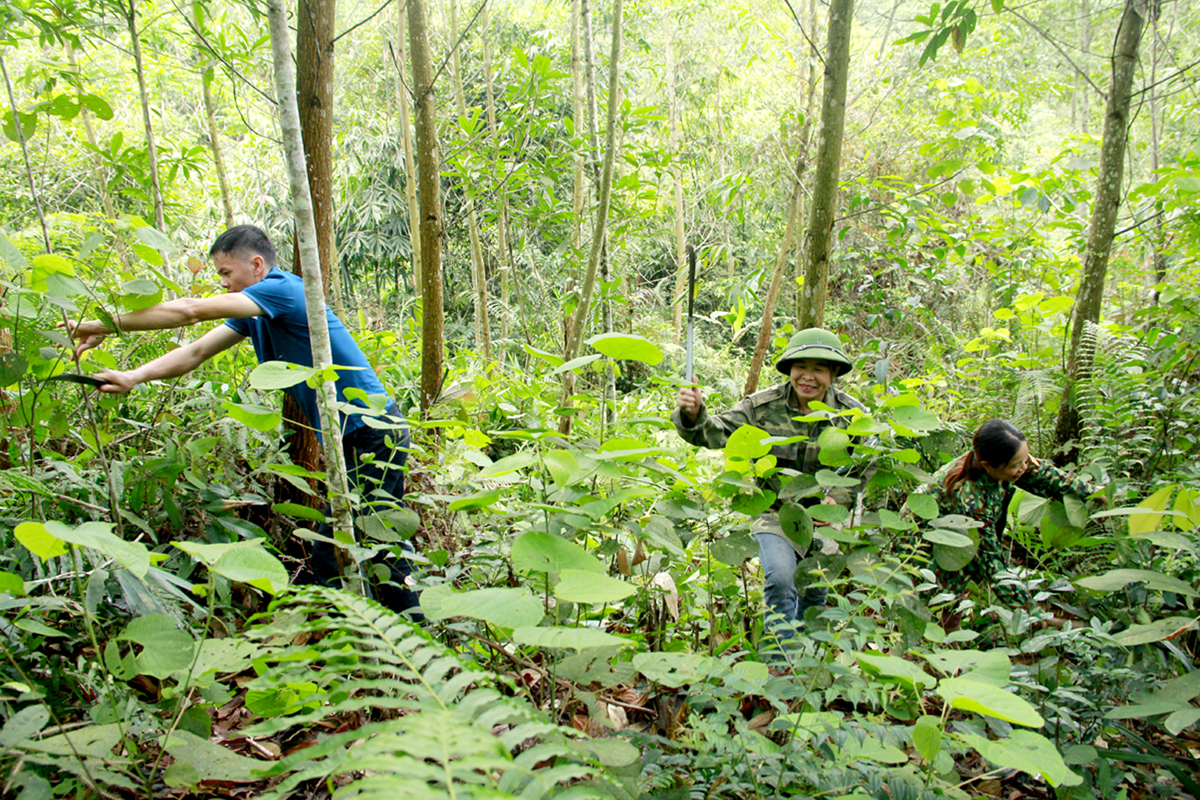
[376, 472]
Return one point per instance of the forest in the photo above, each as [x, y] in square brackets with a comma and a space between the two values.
[538, 228]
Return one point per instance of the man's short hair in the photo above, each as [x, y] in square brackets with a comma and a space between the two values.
[243, 241]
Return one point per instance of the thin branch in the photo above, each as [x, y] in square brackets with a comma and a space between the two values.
[1083, 74]
[1168, 79]
[360, 23]
[816, 50]
[462, 36]
[881, 206]
[228, 65]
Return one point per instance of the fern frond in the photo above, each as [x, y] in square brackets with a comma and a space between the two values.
[457, 732]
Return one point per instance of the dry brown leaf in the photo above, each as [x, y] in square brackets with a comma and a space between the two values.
[990, 788]
[623, 562]
[639, 555]
[616, 716]
[762, 720]
[664, 581]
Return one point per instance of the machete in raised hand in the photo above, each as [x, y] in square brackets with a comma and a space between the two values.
[689, 371]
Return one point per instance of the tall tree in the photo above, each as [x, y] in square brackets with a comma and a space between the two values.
[207, 75]
[503, 261]
[781, 260]
[429, 195]
[410, 169]
[819, 236]
[681, 267]
[314, 290]
[151, 150]
[1090, 295]
[315, 20]
[579, 319]
[483, 329]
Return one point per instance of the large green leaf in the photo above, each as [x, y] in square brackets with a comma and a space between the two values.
[677, 669]
[24, 724]
[563, 466]
[626, 347]
[923, 505]
[165, 648]
[1156, 631]
[279, 375]
[797, 525]
[245, 562]
[1116, 579]
[983, 698]
[905, 672]
[985, 666]
[827, 477]
[252, 415]
[927, 737]
[544, 552]
[503, 607]
[746, 444]
[197, 760]
[952, 558]
[1174, 695]
[97, 536]
[1143, 523]
[947, 538]
[589, 586]
[914, 421]
[39, 541]
[733, 550]
[1028, 752]
[475, 500]
[569, 638]
[509, 464]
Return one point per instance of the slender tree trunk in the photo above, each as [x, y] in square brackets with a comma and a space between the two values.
[582, 309]
[314, 293]
[681, 267]
[501, 190]
[723, 159]
[781, 262]
[577, 95]
[410, 169]
[315, 21]
[429, 195]
[1158, 239]
[810, 104]
[16, 118]
[1090, 296]
[819, 236]
[214, 144]
[151, 150]
[483, 328]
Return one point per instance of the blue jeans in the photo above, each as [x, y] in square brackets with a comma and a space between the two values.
[783, 599]
[378, 480]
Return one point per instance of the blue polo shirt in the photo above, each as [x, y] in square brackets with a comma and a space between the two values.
[280, 333]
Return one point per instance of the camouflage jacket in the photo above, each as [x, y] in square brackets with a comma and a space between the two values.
[772, 410]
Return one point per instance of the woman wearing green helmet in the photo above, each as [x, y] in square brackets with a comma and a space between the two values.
[812, 362]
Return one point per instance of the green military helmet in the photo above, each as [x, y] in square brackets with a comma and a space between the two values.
[815, 343]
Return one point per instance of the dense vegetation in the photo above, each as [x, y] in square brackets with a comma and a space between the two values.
[593, 602]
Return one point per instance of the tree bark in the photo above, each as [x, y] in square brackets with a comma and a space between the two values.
[582, 309]
[429, 196]
[151, 150]
[314, 293]
[410, 169]
[483, 328]
[1090, 296]
[214, 144]
[819, 236]
[315, 20]
[85, 116]
[504, 269]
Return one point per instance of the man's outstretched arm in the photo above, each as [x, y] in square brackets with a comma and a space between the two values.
[178, 313]
[179, 361]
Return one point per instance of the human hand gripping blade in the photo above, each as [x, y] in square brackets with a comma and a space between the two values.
[689, 374]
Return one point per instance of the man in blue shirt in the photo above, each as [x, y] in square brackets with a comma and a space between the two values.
[267, 305]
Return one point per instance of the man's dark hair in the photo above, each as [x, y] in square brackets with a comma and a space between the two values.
[242, 241]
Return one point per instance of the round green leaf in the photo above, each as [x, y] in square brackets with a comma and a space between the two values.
[1116, 579]
[503, 607]
[626, 347]
[1028, 752]
[279, 375]
[544, 552]
[992, 701]
[923, 505]
[733, 550]
[252, 415]
[827, 477]
[475, 500]
[948, 538]
[569, 638]
[927, 737]
[589, 586]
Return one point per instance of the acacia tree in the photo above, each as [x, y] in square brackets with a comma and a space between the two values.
[1090, 296]
[314, 291]
[315, 20]
[819, 236]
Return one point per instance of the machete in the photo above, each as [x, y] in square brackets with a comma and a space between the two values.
[690, 375]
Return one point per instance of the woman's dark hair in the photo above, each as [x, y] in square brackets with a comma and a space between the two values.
[245, 239]
[995, 443]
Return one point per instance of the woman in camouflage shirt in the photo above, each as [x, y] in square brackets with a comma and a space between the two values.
[981, 484]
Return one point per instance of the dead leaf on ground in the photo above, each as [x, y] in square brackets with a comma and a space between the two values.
[762, 720]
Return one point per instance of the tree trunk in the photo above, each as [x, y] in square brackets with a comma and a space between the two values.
[151, 150]
[315, 20]
[410, 169]
[577, 95]
[101, 175]
[314, 294]
[1081, 86]
[819, 236]
[582, 309]
[483, 328]
[429, 195]
[681, 260]
[810, 103]
[214, 144]
[781, 261]
[504, 269]
[1090, 296]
